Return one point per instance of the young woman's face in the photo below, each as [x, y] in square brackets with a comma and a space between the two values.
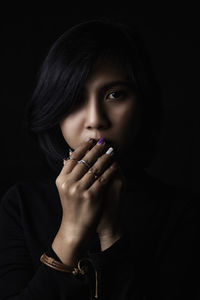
[108, 109]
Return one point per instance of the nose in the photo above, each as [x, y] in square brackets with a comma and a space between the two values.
[96, 115]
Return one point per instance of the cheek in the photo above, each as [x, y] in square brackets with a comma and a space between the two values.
[124, 116]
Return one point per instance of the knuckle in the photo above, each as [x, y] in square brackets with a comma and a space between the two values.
[100, 159]
[102, 179]
[74, 156]
[63, 186]
[58, 181]
[87, 195]
[74, 189]
[95, 170]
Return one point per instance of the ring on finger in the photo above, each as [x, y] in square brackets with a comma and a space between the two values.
[73, 159]
[93, 173]
[82, 161]
[69, 158]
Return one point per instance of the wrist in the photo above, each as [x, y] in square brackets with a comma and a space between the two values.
[67, 250]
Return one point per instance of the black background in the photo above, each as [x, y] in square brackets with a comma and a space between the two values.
[171, 35]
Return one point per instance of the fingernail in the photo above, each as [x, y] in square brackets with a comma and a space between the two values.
[100, 141]
[110, 150]
[70, 151]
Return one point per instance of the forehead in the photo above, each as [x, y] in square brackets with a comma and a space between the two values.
[105, 71]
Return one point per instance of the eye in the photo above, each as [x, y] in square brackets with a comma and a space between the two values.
[116, 95]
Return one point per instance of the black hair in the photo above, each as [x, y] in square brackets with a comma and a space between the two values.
[66, 68]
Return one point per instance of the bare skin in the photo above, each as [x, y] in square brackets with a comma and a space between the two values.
[82, 200]
[93, 204]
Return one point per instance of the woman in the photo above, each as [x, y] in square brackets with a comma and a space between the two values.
[102, 227]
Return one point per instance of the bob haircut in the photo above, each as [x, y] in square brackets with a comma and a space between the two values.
[65, 70]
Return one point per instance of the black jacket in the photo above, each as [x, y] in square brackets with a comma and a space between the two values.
[156, 258]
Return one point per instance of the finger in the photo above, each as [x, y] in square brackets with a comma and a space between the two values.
[69, 164]
[99, 185]
[97, 169]
[90, 158]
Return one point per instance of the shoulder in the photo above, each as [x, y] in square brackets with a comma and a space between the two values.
[29, 193]
[30, 185]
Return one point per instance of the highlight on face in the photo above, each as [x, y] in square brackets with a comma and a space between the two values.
[106, 108]
[78, 93]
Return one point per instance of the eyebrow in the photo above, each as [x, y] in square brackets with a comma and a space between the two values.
[112, 84]
[108, 86]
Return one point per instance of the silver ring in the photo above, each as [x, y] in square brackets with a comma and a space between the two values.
[94, 174]
[68, 158]
[82, 161]
[72, 158]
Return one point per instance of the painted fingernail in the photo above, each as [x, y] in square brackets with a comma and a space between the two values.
[100, 141]
[109, 151]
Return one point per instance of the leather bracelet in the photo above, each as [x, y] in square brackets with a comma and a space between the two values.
[54, 264]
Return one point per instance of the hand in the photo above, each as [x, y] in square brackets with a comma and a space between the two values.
[81, 196]
[109, 227]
